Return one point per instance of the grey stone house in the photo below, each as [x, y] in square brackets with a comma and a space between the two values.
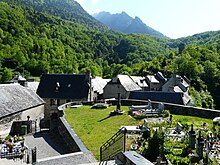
[156, 81]
[58, 89]
[141, 82]
[174, 90]
[178, 84]
[122, 84]
[98, 85]
[16, 103]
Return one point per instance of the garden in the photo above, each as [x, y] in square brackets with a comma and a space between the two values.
[95, 126]
[12, 147]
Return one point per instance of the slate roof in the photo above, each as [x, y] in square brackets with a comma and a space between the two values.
[167, 97]
[177, 89]
[159, 76]
[128, 83]
[16, 98]
[63, 86]
[139, 81]
[178, 86]
[152, 79]
[99, 83]
[33, 86]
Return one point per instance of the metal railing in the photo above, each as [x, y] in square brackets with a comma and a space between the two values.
[26, 156]
[114, 145]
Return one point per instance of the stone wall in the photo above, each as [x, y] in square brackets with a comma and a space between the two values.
[112, 90]
[68, 134]
[175, 109]
[49, 109]
[35, 113]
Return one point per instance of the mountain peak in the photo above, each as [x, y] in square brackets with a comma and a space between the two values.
[122, 22]
[138, 19]
[124, 13]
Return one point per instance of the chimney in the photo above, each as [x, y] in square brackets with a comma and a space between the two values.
[23, 83]
[88, 76]
[89, 80]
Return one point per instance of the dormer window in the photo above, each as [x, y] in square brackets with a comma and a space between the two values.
[57, 86]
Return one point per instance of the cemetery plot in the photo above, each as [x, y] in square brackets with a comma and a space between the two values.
[174, 134]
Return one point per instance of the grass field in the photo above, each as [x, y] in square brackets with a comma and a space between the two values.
[196, 121]
[95, 126]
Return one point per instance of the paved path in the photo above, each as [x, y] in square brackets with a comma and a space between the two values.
[48, 145]
[11, 162]
[69, 159]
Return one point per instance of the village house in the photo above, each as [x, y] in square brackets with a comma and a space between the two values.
[122, 84]
[141, 82]
[98, 85]
[156, 81]
[58, 89]
[19, 104]
[26, 82]
[178, 84]
[174, 90]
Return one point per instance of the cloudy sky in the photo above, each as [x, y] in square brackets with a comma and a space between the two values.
[173, 18]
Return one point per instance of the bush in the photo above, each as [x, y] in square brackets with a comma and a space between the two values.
[178, 159]
[146, 134]
[8, 137]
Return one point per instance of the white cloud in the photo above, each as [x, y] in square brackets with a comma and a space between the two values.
[94, 2]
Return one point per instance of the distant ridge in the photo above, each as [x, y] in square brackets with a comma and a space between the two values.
[66, 9]
[124, 23]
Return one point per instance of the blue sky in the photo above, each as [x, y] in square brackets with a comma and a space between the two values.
[173, 18]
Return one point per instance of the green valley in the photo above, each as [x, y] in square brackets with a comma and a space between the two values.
[60, 37]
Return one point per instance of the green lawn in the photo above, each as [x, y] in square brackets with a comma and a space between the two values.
[95, 127]
[196, 121]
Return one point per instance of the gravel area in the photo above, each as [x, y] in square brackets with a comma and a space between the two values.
[48, 144]
[69, 159]
[52, 151]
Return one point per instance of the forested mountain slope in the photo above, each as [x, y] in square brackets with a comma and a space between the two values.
[65, 9]
[38, 42]
[34, 42]
[206, 38]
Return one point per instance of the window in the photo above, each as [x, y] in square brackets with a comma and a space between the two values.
[57, 87]
[53, 102]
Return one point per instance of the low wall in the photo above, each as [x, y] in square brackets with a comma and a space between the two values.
[35, 114]
[174, 108]
[68, 134]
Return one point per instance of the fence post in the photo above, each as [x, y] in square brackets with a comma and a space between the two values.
[100, 154]
[34, 155]
[28, 158]
[125, 132]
